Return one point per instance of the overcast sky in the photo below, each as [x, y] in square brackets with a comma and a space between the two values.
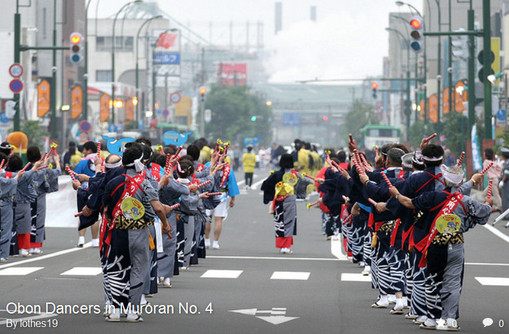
[347, 41]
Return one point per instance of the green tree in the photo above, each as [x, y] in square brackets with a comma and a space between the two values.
[232, 110]
[456, 132]
[359, 115]
[35, 133]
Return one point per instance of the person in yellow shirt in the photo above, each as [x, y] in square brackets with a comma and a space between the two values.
[249, 162]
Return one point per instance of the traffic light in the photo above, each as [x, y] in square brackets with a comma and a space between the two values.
[253, 118]
[325, 118]
[76, 47]
[203, 91]
[460, 46]
[416, 42]
[486, 69]
[374, 84]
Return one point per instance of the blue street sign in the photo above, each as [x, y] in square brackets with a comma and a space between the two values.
[166, 112]
[167, 58]
[4, 118]
[16, 86]
[501, 115]
[251, 141]
[291, 119]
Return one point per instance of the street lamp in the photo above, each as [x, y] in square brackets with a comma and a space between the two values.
[137, 64]
[113, 56]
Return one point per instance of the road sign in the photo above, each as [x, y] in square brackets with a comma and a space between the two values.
[175, 97]
[85, 126]
[291, 119]
[166, 112]
[16, 86]
[166, 58]
[16, 70]
[112, 128]
[4, 118]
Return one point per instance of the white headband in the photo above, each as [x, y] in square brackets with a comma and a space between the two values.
[451, 177]
[432, 158]
[113, 165]
[138, 165]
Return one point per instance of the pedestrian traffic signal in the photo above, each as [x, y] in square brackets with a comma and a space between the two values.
[76, 55]
[374, 84]
[485, 69]
[416, 41]
[203, 91]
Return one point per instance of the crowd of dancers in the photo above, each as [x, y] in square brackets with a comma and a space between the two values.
[402, 217]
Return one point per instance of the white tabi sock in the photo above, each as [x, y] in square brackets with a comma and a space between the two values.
[81, 240]
[383, 299]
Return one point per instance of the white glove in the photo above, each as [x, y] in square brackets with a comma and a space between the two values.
[501, 184]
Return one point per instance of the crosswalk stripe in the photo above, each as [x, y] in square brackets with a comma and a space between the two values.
[348, 277]
[290, 275]
[493, 281]
[19, 271]
[222, 274]
[82, 271]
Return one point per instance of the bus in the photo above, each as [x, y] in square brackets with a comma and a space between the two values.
[378, 135]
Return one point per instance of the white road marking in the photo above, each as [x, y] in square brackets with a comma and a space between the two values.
[19, 271]
[497, 232]
[336, 248]
[346, 277]
[286, 258]
[276, 316]
[486, 264]
[277, 320]
[47, 256]
[493, 281]
[222, 274]
[83, 271]
[256, 184]
[290, 275]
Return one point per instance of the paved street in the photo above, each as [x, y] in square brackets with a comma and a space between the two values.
[246, 286]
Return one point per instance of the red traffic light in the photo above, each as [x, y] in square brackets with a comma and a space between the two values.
[325, 118]
[203, 90]
[75, 38]
[374, 85]
[416, 23]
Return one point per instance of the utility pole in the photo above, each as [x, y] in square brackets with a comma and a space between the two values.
[17, 57]
[486, 61]
[471, 72]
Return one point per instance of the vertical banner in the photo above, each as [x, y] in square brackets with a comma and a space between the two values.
[43, 97]
[476, 151]
[433, 108]
[76, 102]
[461, 96]
[104, 107]
[129, 110]
[495, 48]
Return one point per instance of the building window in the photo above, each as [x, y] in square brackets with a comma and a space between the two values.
[103, 75]
[122, 43]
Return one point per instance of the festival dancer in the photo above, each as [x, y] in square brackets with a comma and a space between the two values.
[278, 191]
[450, 215]
[131, 204]
[8, 184]
[45, 182]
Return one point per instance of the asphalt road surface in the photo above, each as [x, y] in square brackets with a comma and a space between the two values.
[244, 287]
